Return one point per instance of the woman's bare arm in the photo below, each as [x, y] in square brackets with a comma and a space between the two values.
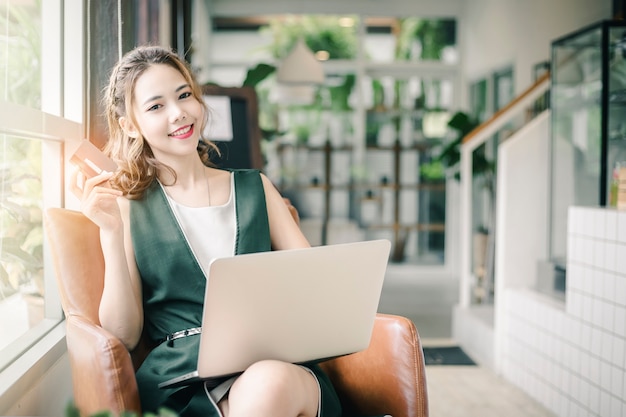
[285, 233]
[121, 310]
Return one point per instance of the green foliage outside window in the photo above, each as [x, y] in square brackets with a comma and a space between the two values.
[20, 41]
[21, 234]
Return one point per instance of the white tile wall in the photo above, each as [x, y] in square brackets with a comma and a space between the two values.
[571, 357]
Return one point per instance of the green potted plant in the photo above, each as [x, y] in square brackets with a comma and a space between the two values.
[484, 171]
[72, 411]
[450, 155]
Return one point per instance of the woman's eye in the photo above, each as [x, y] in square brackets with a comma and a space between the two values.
[155, 107]
[185, 95]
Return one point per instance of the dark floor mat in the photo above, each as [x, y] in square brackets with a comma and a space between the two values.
[448, 355]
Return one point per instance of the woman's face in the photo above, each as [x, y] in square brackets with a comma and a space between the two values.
[168, 115]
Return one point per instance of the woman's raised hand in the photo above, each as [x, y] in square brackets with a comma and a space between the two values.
[98, 199]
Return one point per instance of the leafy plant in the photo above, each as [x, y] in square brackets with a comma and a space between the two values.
[450, 155]
[256, 75]
[340, 94]
[72, 411]
[483, 168]
[428, 37]
[433, 171]
[320, 33]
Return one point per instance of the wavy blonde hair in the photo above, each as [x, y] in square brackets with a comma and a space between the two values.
[138, 167]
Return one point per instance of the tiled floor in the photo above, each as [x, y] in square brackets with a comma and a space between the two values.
[468, 391]
[473, 391]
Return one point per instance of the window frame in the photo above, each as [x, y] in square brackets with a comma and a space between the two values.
[59, 125]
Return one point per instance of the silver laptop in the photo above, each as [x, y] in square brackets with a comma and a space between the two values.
[297, 306]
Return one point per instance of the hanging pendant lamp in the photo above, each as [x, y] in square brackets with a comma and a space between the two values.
[300, 67]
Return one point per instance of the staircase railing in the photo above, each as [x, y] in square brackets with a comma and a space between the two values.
[522, 105]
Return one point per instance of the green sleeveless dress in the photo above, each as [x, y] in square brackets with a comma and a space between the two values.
[173, 293]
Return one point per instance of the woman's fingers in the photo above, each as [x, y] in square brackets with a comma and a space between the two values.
[82, 186]
[101, 193]
[99, 179]
[101, 200]
[101, 206]
[74, 184]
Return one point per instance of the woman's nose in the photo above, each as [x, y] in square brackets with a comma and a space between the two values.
[178, 114]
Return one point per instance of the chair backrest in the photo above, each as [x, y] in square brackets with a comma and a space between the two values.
[80, 266]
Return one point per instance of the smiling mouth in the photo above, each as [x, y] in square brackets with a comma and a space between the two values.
[182, 131]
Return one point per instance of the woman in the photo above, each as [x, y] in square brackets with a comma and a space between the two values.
[163, 216]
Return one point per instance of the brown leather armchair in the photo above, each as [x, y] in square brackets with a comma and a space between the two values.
[387, 378]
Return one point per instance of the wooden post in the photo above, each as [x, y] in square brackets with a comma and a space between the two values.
[327, 190]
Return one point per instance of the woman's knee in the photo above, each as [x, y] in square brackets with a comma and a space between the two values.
[273, 382]
[267, 375]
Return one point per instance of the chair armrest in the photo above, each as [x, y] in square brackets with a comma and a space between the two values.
[102, 371]
[389, 377]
